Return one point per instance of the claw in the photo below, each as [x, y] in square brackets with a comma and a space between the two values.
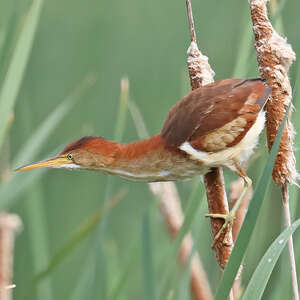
[229, 218]
[228, 221]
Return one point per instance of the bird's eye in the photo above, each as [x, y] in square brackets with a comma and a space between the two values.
[70, 156]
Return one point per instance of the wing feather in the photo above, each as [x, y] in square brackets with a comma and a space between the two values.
[211, 107]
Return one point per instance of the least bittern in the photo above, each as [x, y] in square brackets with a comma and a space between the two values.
[213, 126]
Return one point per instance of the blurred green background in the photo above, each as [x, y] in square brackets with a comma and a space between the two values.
[80, 52]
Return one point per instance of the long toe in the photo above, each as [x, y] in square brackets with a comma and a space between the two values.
[228, 221]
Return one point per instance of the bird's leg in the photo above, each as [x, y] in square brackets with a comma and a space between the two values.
[229, 218]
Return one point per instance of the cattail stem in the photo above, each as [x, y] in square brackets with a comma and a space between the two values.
[231, 295]
[217, 204]
[9, 224]
[200, 74]
[191, 21]
[286, 208]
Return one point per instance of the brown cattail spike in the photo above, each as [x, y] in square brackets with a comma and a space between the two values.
[274, 56]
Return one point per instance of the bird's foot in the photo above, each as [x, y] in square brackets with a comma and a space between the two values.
[228, 221]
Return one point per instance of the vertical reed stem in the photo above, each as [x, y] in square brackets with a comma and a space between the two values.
[286, 207]
[9, 224]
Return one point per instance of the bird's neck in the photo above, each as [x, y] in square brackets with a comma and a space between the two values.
[150, 160]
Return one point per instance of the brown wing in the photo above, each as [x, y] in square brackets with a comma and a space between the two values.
[212, 107]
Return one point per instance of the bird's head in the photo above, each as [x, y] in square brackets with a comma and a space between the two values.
[93, 153]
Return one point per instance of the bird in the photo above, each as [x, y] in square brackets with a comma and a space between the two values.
[216, 125]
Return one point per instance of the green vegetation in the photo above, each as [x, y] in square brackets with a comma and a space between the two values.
[61, 63]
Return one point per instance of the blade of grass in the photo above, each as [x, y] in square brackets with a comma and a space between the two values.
[265, 267]
[9, 191]
[38, 235]
[73, 241]
[276, 18]
[41, 134]
[13, 79]
[285, 291]
[100, 289]
[77, 237]
[244, 51]
[83, 287]
[118, 134]
[246, 231]
[124, 276]
[138, 120]
[147, 259]
[8, 33]
[193, 204]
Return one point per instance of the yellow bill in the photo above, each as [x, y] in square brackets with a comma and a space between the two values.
[56, 162]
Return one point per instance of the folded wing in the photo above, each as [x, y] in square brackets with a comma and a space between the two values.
[217, 115]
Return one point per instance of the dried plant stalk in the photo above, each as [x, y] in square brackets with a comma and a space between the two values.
[286, 208]
[236, 189]
[200, 74]
[172, 213]
[275, 56]
[9, 224]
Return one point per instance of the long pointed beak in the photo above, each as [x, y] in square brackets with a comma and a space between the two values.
[56, 162]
